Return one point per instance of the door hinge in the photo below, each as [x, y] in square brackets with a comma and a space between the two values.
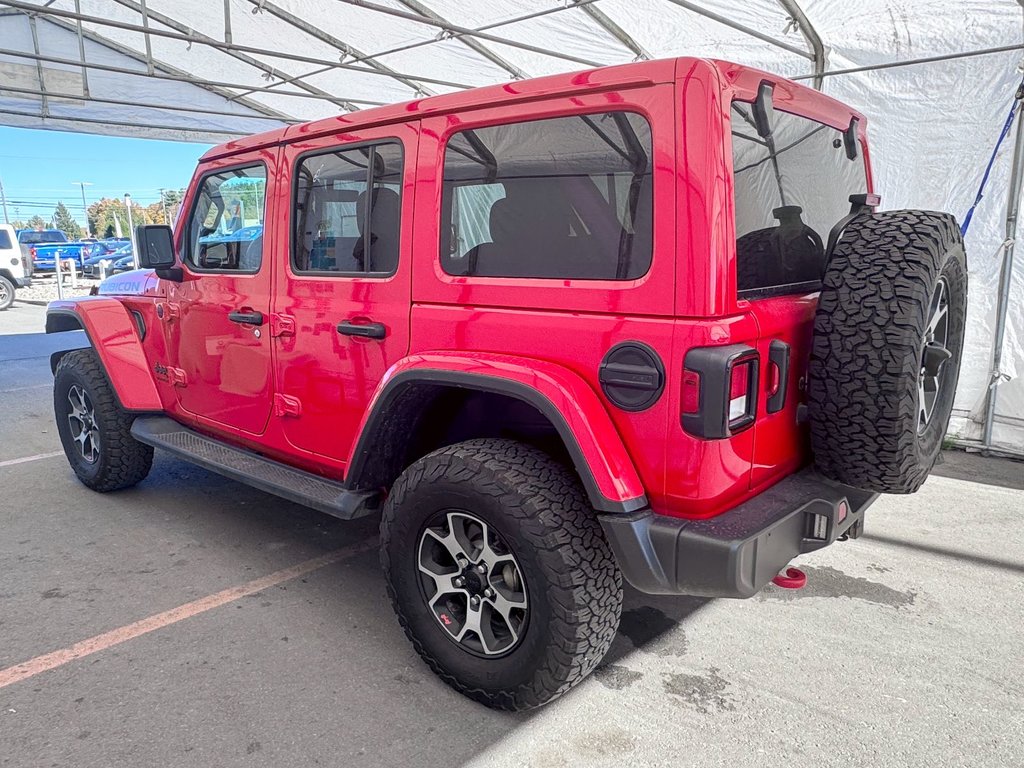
[282, 325]
[177, 377]
[286, 405]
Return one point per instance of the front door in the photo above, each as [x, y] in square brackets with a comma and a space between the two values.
[341, 307]
[217, 318]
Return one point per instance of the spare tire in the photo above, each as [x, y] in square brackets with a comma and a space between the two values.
[885, 358]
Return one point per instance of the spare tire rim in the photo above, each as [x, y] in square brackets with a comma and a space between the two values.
[82, 419]
[935, 353]
[472, 584]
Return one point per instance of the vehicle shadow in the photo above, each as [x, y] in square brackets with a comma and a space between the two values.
[374, 696]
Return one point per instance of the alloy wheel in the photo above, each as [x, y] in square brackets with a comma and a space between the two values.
[934, 355]
[82, 418]
[472, 583]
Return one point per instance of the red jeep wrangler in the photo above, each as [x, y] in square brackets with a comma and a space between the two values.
[641, 322]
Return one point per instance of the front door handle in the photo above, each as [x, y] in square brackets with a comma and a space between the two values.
[247, 317]
[364, 330]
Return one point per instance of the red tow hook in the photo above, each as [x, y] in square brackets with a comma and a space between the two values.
[791, 578]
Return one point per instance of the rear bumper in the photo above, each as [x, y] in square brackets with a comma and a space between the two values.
[739, 551]
[22, 282]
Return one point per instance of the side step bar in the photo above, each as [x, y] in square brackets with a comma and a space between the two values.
[252, 469]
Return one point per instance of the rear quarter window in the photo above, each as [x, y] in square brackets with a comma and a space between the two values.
[790, 190]
[567, 198]
[5, 240]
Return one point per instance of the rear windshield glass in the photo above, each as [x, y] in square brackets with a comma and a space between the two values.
[5, 239]
[569, 197]
[791, 189]
[33, 236]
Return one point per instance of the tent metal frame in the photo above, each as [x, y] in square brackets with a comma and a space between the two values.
[478, 40]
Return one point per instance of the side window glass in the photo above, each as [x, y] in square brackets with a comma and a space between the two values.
[225, 232]
[790, 190]
[568, 198]
[347, 212]
[5, 239]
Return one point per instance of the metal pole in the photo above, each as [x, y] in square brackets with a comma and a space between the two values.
[131, 231]
[1005, 280]
[85, 207]
[912, 62]
[163, 204]
[796, 13]
[3, 202]
[739, 28]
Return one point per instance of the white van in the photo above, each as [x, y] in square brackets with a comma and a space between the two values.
[14, 268]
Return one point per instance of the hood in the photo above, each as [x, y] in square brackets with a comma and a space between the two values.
[138, 282]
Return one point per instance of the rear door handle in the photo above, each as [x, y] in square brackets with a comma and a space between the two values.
[246, 317]
[364, 330]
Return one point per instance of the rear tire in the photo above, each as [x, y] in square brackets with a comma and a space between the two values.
[6, 293]
[888, 335]
[94, 430]
[531, 510]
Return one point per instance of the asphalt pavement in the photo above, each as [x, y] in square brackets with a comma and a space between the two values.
[230, 628]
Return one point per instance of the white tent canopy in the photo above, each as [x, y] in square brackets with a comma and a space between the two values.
[199, 70]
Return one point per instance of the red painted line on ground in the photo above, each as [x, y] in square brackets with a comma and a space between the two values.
[24, 459]
[48, 661]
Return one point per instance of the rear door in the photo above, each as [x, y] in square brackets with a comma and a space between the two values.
[217, 318]
[790, 189]
[341, 306]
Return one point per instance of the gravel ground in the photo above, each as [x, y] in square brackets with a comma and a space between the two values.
[44, 289]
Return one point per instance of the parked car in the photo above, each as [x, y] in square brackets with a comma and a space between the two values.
[642, 323]
[123, 264]
[93, 248]
[14, 266]
[29, 238]
[45, 255]
[91, 266]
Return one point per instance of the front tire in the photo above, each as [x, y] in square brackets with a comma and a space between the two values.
[94, 430]
[499, 572]
[6, 293]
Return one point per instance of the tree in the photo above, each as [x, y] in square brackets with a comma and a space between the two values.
[37, 222]
[105, 211]
[166, 210]
[65, 222]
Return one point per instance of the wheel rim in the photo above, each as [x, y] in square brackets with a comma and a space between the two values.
[472, 584]
[5, 294]
[82, 420]
[931, 383]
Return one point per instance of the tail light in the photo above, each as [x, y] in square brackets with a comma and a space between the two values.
[719, 397]
[32, 252]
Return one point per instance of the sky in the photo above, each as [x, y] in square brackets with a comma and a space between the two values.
[39, 168]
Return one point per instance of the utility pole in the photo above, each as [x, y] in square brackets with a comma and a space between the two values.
[163, 204]
[3, 202]
[85, 210]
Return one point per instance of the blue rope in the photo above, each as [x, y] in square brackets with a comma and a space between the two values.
[1014, 108]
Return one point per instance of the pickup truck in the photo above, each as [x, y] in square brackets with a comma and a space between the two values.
[44, 256]
[43, 246]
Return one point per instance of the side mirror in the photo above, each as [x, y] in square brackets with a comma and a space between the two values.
[763, 110]
[156, 251]
[156, 246]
